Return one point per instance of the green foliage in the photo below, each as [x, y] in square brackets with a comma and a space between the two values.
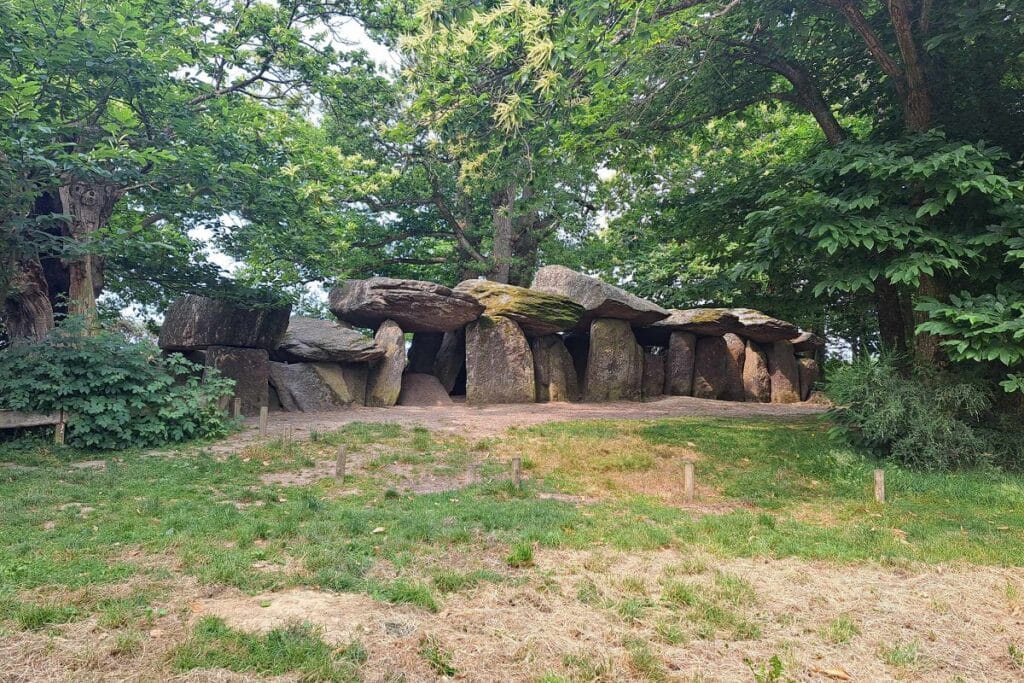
[117, 393]
[294, 648]
[933, 420]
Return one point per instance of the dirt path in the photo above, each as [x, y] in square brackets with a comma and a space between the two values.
[473, 422]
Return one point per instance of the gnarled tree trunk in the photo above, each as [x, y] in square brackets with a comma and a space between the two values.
[27, 312]
[89, 205]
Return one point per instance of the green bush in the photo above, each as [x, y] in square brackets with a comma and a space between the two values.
[118, 393]
[930, 420]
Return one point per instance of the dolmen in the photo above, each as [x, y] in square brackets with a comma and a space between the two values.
[567, 337]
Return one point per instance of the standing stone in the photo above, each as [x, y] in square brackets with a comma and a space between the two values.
[422, 390]
[499, 364]
[615, 364]
[250, 370]
[737, 353]
[423, 351]
[384, 382]
[757, 384]
[682, 348]
[537, 313]
[415, 305]
[599, 299]
[785, 374]
[711, 368]
[450, 360]
[196, 322]
[553, 370]
[347, 381]
[809, 372]
[300, 389]
[654, 374]
[312, 339]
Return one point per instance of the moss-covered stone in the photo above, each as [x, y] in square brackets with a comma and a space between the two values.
[537, 313]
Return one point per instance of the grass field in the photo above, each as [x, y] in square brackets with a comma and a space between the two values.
[427, 562]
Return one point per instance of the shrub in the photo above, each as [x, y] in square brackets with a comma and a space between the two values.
[930, 420]
[118, 393]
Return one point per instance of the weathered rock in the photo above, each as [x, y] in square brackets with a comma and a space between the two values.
[415, 305]
[757, 384]
[423, 351]
[599, 299]
[311, 339]
[785, 373]
[711, 368]
[653, 384]
[615, 364]
[499, 364]
[711, 322]
[737, 348]
[764, 328]
[250, 370]
[347, 381]
[300, 388]
[450, 360]
[420, 389]
[809, 371]
[553, 370]
[196, 322]
[808, 343]
[384, 382]
[682, 348]
[537, 313]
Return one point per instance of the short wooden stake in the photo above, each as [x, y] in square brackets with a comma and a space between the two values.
[689, 487]
[880, 486]
[238, 408]
[263, 420]
[289, 433]
[339, 465]
[517, 472]
[58, 434]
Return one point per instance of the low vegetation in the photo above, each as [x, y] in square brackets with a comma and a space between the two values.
[430, 523]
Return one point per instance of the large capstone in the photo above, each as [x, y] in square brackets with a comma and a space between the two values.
[347, 381]
[764, 328]
[536, 312]
[423, 351]
[682, 347]
[415, 305]
[450, 360]
[300, 388]
[553, 370]
[757, 385]
[250, 370]
[615, 363]
[809, 372]
[785, 373]
[384, 382]
[808, 343]
[711, 368]
[312, 339]
[197, 322]
[599, 299]
[654, 373]
[499, 364]
[419, 389]
[712, 322]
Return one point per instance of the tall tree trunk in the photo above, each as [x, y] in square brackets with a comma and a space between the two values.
[893, 325]
[89, 206]
[27, 313]
[502, 205]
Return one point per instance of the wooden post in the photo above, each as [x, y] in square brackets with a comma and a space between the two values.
[339, 466]
[689, 487]
[58, 433]
[880, 486]
[517, 472]
[263, 420]
[238, 408]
